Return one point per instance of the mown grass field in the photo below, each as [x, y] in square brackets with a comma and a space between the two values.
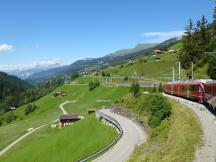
[101, 96]
[49, 109]
[66, 145]
[174, 140]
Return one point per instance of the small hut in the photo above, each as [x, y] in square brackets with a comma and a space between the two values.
[67, 119]
[91, 111]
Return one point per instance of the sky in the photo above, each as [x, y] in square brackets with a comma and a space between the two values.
[46, 32]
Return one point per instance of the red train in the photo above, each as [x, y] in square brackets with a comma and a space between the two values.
[194, 90]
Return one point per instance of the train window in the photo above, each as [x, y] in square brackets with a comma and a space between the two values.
[175, 88]
[200, 89]
[192, 88]
[183, 88]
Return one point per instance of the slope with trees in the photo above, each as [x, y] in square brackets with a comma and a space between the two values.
[199, 46]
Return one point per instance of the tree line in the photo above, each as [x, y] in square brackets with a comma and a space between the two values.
[199, 45]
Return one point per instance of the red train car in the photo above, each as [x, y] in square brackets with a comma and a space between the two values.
[190, 90]
[210, 93]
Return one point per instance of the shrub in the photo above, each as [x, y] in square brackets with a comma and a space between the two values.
[154, 89]
[160, 88]
[30, 108]
[103, 74]
[93, 85]
[108, 74]
[157, 107]
[154, 121]
[135, 89]
[126, 78]
[10, 117]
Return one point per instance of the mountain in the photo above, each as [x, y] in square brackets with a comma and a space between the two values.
[25, 73]
[98, 63]
[137, 48]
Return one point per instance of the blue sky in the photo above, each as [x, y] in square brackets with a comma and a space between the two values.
[49, 31]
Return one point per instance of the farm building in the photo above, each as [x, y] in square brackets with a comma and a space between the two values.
[59, 94]
[67, 119]
[91, 111]
[157, 52]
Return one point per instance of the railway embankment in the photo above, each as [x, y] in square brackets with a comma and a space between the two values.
[207, 119]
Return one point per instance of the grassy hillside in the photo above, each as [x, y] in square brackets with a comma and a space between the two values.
[174, 140]
[176, 46]
[66, 145]
[48, 109]
[101, 96]
[150, 68]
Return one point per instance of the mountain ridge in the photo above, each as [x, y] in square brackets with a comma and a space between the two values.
[96, 63]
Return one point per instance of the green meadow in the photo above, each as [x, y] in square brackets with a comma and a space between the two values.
[49, 108]
[66, 144]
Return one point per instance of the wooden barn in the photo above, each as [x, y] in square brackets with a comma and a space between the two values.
[67, 119]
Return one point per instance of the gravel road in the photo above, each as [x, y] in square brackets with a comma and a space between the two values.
[132, 136]
[207, 152]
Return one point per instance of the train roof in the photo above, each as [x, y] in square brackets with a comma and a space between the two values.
[205, 81]
[211, 82]
[185, 82]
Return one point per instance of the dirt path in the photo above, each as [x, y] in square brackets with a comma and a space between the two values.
[35, 129]
[19, 139]
[207, 152]
[64, 103]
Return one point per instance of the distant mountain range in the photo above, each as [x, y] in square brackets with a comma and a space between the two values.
[97, 63]
[26, 73]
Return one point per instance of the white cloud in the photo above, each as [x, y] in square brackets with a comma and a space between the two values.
[158, 37]
[36, 64]
[6, 47]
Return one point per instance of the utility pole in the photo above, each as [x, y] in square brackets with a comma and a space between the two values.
[192, 73]
[173, 74]
[179, 71]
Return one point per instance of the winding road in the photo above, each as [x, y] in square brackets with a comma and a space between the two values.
[132, 135]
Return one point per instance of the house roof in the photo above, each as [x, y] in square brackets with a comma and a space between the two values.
[69, 117]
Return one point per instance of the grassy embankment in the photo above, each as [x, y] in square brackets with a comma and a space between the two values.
[49, 109]
[68, 144]
[174, 140]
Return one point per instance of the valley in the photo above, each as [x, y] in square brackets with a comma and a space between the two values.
[108, 81]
